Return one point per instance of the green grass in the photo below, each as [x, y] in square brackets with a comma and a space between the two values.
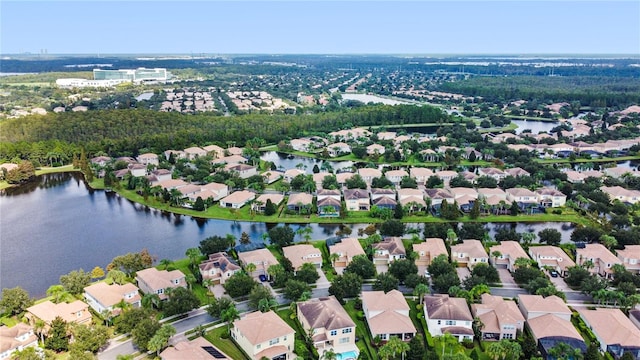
[200, 291]
[9, 321]
[286, 315]
[580, 160]
[57, 169]
[227, 346]
[327, 267]
[362, 331]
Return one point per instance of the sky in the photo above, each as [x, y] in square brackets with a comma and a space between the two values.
[320, 27]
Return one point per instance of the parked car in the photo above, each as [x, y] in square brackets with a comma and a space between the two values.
[262, 277]
[553, 273]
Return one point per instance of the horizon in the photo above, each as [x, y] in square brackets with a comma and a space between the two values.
[321, 27]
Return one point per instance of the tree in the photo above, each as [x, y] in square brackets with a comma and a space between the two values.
[402, 268]
[361, 265]
[30, 353]
[307, 273]
[131, 262]
[117, 277]
[89, 338]
[394, 346]
[58, 338]
[416, 350]
[355, 182]
[281, 236]
[413, 280]
[75, 281]
[259, 293]
[486, 271]
[385, 282]
[475, 210]
[230, 314]
[214, 244]
[433, 182]
[442, 283]
[239, 284]
[420, 290]
[550, 236]
[486, 182]
[563, 351]
[293, 289]
[586, 234]
[347, 285]
[408, 183]
[143, 332]
[269, 208]
[179, 301]
[515, 209]
[244, 238]
[58, 293]
[392, 227]
[97, 273]
[504, 350]
[15, 300]
[161, 338]
[218, 305]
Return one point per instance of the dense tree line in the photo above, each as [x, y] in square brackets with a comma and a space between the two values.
[126, 132]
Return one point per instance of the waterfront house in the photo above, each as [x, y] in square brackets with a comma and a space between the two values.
[16, 338]
[237, 199]
[260, 203]
[621, 194]
[437, 196]
[272, 176]
[343, 177]
[600, 257]
[510, 251]
[551, 257]
[218, 268]
[318, 178]
[261, 258]
[264, 335]
[427, 251]
[445, 314]
[290, 174]
[346, 249]
[76, 312]
[338, 149]
[154, 281]
[375, 149]
[303, 253]
[387, 315]
[357, 200]
[301, 144]
[385, 203]
[101, 296]
[377, 193]
[501, 318]
[243, 171]
[525, 198]
[411, 198]
[329, 326]
[548, 197]
[300, 202]
[388, 250]
[231, 159]
[469, 253]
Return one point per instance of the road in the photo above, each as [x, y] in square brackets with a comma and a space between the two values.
[195, 318]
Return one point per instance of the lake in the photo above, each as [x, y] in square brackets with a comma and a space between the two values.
[534, 126]
[56, 224]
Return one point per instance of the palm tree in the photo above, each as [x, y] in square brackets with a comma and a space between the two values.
[207, 283]
[250, 268]
[194, 255]
[395, 346]
[166, 263]
[122, 305]
[149, 300]
[267, 304]
[420, 290]
[190, 279]
[229, 315]
[329, 355]
[58, 293]
[333, 258]
[274, 270]
[39, 327]
[563, 351]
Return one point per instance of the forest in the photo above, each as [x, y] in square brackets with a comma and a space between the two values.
[127, 132]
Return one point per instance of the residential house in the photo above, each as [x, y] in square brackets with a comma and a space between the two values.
[548, 197]
[237, 199]
[429, 155]
[551, 257]
[290, 174]
[189, 190]
[427, 251]
[375, 149]
[357, 200]
[327, 193]
[300, 202]
[303, 145]
[260, 203]
[196, 349]
[469, 253]
[388, 250]
[377, 193]
[493, 173]
[159, 175]
[338, 149]
[469, 176]
[464, 197]
[101, 296]
[368, 174]
[617, 172]
[446, 176]
[234, 150]
[264, 335]
[621, 194]
[76, 312]
[329, 325]
[231, 159]
[16, 338]
[177, 154]
[486, 193]
[524, 197]
[148, 159]
[218, 268]
[194, 152]
[329, 207]
[445, 314]
[343, 177]
[615, 333]
[244, 171]
[395, 176]
[517, 171]
[318, 178]
[385, 203]
[303, 253]
[630, 258]
[272, 176]
[154, 281]
[510, 251]
[420, 174]
[215, 151]
[411, 198]
[98, 160]
[439, 195]
[215, 191]
[172, 184]
[533, 306]
[548, 330]
[501, 318]
[261, 258]
[346, 249]
[137, 170]
[600, 257]
[387, 315]
[351, 134]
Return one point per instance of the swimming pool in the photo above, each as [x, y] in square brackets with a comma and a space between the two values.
[351, 355]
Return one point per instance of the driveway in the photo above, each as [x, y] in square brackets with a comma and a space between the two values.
[217, 291]
[463, 273]
[322, 281]
[559, 283]
[506, 279]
